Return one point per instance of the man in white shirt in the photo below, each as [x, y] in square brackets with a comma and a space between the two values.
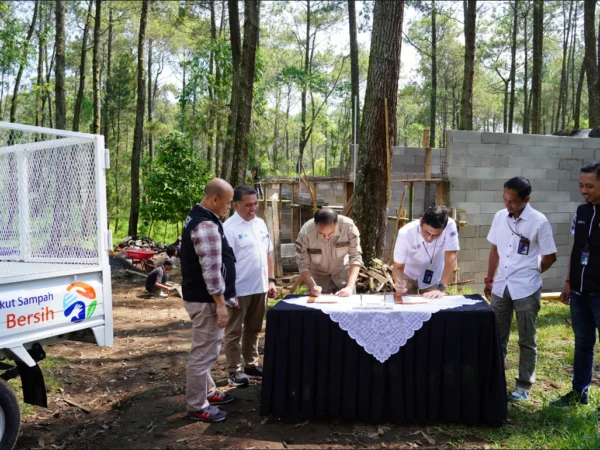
[254, 268]
[425, 254]
[522, 249]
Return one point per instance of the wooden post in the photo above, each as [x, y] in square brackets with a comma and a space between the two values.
[280, 206]
[314, 197]
[426, 138]
[272, 221]
[265, 188]
[442, 193]
[295, 215]
[411, 199]
[428, 163]
[397, 226]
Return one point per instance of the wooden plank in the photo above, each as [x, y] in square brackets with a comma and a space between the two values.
[442, 194]
[295, 214]
[314, 197]
[390, 253]
[428, 163]
[411, 200]
[273, 227]
[280, 206]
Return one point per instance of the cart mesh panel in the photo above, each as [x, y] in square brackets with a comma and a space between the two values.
[48, 211]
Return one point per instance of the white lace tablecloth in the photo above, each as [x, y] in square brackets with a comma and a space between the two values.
[382, 332]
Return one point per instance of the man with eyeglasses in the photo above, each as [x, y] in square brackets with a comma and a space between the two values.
[522, 249]
[425, 254]
[328, 254]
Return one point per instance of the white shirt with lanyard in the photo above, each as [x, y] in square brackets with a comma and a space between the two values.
[521, 244]
[423, 261]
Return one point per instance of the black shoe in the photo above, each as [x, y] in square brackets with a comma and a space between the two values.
[571, 399]
[237, 379]
[254, 371]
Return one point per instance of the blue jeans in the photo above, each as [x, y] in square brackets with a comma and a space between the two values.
[585, 315]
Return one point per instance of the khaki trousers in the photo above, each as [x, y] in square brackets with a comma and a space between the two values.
[413, 286]
[206, 345]
[245, 322]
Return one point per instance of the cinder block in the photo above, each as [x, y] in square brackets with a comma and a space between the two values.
[494, 138]
[414, 151]
[572, 142]
[535, 174]
[591, 143]
[569, 164]
[499, 196]
[480, 196]
[480, 219]
[458, 196]
[558, 174]
[457, 172]
[467, 232]
[466, 161]
[547, 141]
[462, 183]
[469, 207]
[480, 172]
[559, 152]
[561, 239]
[496, 184]
[546, 207]
[509, 150]
[457, 148]
[535, 151]
[575, 174]
[398, 151]
[467, 255]
[466, 136]
[533, 163]
[505, 174]
[546, 185]
[587, 154]
[598, 154]
[492, 207]
[494, 161]
[565, 228]
[484, 230]
[558, 217]
[521, 139]
[483, 253]
[566, 185]
[538, 196]
[481, 149]
[558, 196]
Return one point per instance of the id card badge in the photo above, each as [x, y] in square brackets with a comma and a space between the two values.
[585, 257]
[523, 248]
[428, 276]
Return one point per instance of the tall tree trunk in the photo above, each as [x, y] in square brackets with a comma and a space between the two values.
[138, 137]
[108, 83]
[538, 48]
[96, 67]
[251, 38]
[150, 105]
[235, 38]
[466, 102]
[211, 89]
[591, 64]
[22, 64]
[433, 106]
[40, 71]
[562, 95]
[82, 69]
[354, 64]
[513, 57]
[303, 130]
[526, 108]
[577, 107]
[371, 188]
[59, 77]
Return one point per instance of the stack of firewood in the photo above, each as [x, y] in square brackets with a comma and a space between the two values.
[377, 278]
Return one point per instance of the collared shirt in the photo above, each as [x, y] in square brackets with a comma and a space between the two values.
[522, 274]
[419, 256]
[207, 244]
[329, 259]
[251, 244]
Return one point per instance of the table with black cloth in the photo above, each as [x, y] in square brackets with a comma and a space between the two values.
[451, 370]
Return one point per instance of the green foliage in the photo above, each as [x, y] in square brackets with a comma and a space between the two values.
[175, 180]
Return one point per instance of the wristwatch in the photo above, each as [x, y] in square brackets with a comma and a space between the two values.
[441, 287]
[272, 280]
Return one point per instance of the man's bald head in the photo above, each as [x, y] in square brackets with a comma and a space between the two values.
[217, 196]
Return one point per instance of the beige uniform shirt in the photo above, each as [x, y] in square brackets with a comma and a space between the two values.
[329, 260]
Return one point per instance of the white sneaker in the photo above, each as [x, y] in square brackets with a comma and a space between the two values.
[163, 294]
[520, 394]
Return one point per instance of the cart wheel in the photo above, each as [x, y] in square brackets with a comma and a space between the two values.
[10, 417]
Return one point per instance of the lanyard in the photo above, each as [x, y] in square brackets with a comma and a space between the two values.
[515, 230]
[427, 251]
[592, 229]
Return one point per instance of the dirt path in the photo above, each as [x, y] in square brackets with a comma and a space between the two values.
[134, 392]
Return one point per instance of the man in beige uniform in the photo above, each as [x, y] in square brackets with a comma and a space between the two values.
[329, 254]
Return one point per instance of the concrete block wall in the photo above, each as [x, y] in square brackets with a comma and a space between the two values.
[478, 166]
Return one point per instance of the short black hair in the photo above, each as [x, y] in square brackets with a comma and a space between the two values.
[168, 262]
[242, 190]
[436, 217]
[171, 250]
[326, 216]
[591, 168]
[520, 185]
